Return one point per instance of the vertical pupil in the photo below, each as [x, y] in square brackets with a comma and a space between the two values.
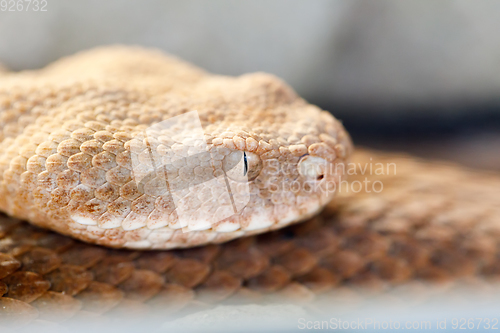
[246, 163]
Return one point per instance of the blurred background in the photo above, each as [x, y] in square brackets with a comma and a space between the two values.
[418, 76]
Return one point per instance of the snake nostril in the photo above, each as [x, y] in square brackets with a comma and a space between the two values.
[312, 167]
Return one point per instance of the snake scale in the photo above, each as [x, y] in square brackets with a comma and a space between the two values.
[68, 137]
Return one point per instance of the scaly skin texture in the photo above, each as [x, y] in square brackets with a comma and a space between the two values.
[76, 141]
[433, 228]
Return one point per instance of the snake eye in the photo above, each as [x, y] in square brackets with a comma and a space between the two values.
[242, 166]
[253, 165]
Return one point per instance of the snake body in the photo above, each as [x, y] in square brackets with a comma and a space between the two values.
[88, 149]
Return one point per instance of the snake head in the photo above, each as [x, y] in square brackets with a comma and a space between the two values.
[76, 156]
[290, 177]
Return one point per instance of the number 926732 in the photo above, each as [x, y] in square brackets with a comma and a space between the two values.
[474, 323]
[23, 5]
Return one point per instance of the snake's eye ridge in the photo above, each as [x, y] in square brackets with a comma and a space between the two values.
[242, 166]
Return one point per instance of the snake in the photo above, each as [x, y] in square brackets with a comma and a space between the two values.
[116, 154]
[130, 148]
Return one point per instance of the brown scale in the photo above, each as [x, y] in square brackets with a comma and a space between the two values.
[361, 244]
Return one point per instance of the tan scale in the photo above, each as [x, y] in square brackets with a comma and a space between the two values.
[73, 142]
